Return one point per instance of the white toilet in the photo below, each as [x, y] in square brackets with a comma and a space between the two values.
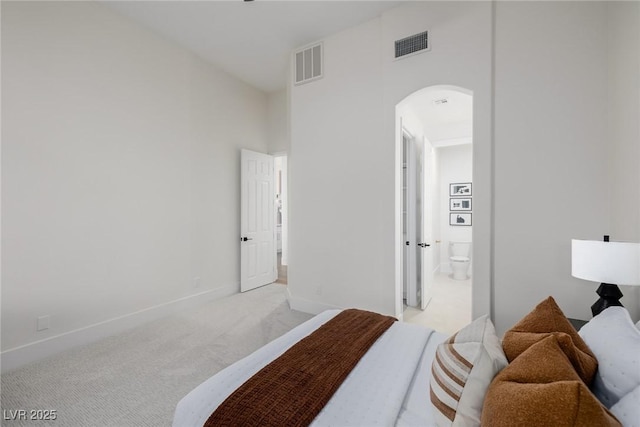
[459, 253]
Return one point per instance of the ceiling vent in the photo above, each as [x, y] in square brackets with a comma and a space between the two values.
[308, 64]
[412, 45]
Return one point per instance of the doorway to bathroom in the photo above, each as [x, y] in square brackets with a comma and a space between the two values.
[436, 133]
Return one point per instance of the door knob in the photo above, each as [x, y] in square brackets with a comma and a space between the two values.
[244, 239]
[423, 245]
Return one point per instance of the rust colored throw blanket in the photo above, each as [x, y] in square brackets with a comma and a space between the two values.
[293, 389]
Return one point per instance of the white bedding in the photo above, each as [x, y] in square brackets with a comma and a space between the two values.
[389, 386]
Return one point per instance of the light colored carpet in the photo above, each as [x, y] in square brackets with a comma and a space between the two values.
[137, 378]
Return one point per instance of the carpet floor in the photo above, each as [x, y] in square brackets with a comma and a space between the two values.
[136, 378]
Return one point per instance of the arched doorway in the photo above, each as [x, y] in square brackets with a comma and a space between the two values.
[434, 133]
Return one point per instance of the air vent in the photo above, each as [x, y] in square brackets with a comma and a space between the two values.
[412, 44]
[308, 65]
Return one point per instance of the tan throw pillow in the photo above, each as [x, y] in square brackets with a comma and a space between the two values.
[544, 320]
[461, 372]
[541, 388]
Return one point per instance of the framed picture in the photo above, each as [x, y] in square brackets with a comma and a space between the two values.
[460, 189]
[459, 218]
[460, 204]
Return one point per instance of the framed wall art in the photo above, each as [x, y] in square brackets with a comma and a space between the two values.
[460, 218]
[460, 204]
[460, 189]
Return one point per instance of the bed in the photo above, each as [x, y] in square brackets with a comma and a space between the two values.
[397, 370]
[394, 384]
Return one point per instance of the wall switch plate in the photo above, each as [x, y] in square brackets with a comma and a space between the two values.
[196, 282]
[43, 323]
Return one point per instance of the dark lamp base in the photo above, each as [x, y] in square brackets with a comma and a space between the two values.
[609, 297]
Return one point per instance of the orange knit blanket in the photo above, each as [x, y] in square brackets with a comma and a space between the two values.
[293, 389]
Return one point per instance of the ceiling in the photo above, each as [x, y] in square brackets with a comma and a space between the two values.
[251, 40]
[444, 123]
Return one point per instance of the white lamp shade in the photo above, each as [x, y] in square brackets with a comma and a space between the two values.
[617, 263]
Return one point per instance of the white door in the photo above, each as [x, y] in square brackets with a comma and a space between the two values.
[410, 219]
[426, 210]
[257, 223]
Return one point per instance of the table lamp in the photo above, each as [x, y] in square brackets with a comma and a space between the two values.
[610, 263]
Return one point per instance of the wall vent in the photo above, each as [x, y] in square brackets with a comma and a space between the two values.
[412, 44]
[308, 64]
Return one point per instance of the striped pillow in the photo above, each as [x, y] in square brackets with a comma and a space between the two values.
[461, 372]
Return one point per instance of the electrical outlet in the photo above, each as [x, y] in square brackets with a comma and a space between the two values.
[44, 322]
[196, 282]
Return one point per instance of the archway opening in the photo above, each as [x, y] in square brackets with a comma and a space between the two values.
[434, 133]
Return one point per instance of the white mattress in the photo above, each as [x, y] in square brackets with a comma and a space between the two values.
[389, 386]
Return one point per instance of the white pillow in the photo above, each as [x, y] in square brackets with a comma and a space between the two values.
[627, 410]
[615, 341]
[638, 325]
[461, 372]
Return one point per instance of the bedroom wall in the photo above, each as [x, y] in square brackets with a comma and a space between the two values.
[623, 138]
[278, 121]
[120, 166]
[338, 181]
[552, 151]
[343, 155]
[460, 56]
[539, 76]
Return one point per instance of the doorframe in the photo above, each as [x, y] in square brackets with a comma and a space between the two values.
[260, 255]
[482, 290]
[427, 224]
[410, 276]
[285, 207]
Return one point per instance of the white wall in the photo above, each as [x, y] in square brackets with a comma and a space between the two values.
[460, 56]
[278, 121]
[623, 110]
[339, 182]
[120, 169]
[344, 247]
[455, 165]
[542, 67]
[552, 149]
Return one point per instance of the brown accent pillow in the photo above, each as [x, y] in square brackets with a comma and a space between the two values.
[541, 388]
[545, 320]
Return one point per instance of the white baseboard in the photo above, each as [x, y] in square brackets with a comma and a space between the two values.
[308, 306]
[32, 352]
